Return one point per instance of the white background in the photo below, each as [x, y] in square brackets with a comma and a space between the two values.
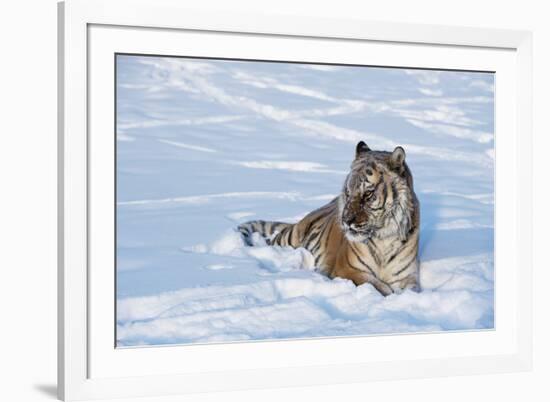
[28, 198]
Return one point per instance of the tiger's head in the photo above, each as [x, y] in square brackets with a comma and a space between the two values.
[378, 199]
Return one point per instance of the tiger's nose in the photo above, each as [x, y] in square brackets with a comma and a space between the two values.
[350, 222]
[351, 217]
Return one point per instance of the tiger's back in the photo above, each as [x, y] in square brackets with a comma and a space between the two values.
[317, 232]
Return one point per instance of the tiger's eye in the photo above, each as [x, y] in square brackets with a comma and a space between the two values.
[368, 195]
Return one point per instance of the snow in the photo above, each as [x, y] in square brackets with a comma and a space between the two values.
[203, 145]
[295, 166]
[188, 146]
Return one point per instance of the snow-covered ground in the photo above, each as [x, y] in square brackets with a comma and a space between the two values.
[203, 145]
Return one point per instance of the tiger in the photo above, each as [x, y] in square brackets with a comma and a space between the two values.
[369, 233]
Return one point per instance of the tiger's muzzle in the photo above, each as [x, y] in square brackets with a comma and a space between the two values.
[357, 232]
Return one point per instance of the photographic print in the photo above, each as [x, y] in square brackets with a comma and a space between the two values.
[268, 200]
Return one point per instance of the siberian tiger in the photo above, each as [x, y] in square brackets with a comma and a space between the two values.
[369, 233]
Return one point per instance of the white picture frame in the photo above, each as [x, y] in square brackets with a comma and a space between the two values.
[89, 365]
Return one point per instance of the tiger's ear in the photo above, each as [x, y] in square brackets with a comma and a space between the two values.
[397, 157]
[361, 148]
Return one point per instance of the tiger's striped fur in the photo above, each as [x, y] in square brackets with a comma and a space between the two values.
[369, 233]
